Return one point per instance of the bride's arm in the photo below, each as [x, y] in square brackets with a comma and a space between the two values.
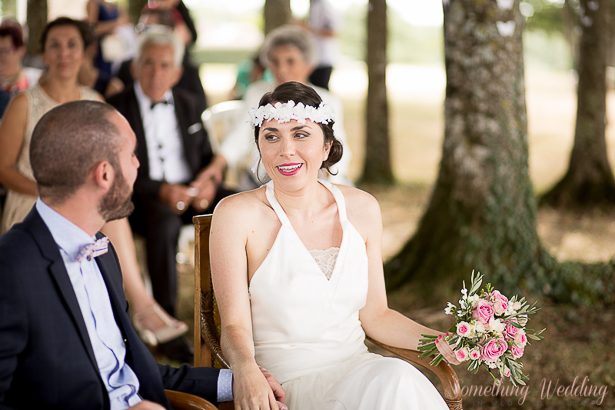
[230, 280]
[378, 320]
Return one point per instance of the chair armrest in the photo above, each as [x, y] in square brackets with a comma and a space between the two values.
[444, 372]
[185, 401]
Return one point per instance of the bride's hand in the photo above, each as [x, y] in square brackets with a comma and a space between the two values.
[251, 390]
[445, 349]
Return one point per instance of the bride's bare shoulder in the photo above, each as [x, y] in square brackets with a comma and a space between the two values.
[243, 206]
[359, 204]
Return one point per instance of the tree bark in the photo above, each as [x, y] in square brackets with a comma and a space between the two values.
[276, 13]
[589, 181]
[482, 212]
[36, 19]
[377, 164]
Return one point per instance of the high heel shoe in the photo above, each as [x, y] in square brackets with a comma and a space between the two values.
[171, 329]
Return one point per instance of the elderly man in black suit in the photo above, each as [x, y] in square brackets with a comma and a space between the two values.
[174, 181]
[66, 338]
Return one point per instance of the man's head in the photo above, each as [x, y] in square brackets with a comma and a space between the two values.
[157, 63]
[12, 49]
[74, 144]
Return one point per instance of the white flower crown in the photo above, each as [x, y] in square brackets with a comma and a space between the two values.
[285, 112]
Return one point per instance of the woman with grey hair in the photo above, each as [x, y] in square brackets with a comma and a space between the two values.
[290, 54]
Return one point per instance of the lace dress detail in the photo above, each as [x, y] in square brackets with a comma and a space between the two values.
[325, 258]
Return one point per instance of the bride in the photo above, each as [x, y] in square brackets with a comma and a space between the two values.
[297, 273]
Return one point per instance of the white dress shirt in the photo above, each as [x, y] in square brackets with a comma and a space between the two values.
[165, 149]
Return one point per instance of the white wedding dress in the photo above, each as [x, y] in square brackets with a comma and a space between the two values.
[307, 331]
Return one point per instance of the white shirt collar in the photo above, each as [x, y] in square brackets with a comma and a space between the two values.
[66, 234]
[145, 102]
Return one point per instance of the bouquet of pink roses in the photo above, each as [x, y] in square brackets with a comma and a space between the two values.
[490, 331]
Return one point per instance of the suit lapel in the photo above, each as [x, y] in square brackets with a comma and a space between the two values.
[133, 115]
[57, 269]
[108, 266]
[183, 125]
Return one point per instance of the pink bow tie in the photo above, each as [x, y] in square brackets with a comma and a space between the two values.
[93, 250]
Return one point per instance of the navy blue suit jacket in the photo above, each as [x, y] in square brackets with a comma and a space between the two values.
[46, 359]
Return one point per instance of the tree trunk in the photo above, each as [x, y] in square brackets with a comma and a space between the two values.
[277, 13]
[134, 9]
[482, 213]
[589, 181]
[36, 19]
[377, 163]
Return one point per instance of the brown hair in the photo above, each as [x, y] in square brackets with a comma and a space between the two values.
[84, 30]
[68, 142]
[14, 30]
[301, 93]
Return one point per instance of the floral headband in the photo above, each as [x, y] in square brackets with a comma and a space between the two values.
[285, 112]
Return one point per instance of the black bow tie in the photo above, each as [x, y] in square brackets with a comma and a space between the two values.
[165, 102]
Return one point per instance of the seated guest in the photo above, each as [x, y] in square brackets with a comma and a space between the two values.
[67, 342]
[93, 77]
[289, 53]
[173, 183]
[157, 19]
[14, 77]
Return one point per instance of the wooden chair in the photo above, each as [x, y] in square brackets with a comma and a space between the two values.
[185, 401]
[207, 350]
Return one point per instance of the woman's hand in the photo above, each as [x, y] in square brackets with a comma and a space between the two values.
[252, 389]
[445, 349]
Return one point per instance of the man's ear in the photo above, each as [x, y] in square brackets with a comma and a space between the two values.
[104, 175]
[178, 75]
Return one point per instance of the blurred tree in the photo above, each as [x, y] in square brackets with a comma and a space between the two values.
[9, 8]
[377, 163]
[482, 211]
[36, 18]
[134, 9]
[276, 13]
[589, 181]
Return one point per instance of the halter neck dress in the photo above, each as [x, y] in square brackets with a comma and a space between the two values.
[307, 332]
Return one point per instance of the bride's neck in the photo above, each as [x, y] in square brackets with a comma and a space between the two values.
[303, 203]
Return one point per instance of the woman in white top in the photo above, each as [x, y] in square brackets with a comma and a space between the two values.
[297, 273]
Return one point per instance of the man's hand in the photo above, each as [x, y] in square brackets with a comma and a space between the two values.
[177, 197]
[215, 170]
[278, 390]
[146, 405]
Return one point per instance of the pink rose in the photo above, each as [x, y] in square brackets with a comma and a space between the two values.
[462, 354]
[517, 351]
[511, 331]
[474, 354]
[483, 312]
[464, 329]
[521, 339]
[493, 349]
[506, 372]
[500, 302]
[496, 295]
